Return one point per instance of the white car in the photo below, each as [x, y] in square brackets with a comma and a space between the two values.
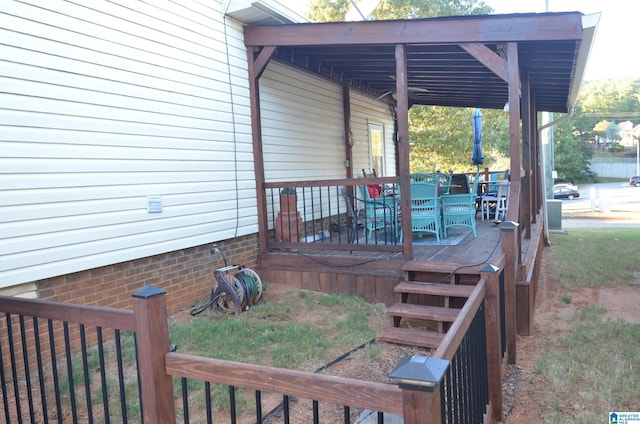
[565, 185]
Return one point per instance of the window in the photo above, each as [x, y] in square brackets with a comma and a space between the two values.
[376, 143]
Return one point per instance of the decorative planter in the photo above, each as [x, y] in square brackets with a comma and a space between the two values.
[288, 221]
[288, 203]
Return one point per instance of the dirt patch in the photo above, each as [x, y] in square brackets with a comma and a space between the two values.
[554, 306]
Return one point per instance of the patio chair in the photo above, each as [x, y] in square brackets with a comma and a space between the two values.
[495, 199]
[380, 212]
[354, 213]
[427, 178]
[459, 210]
[425, 209]
[444, 184]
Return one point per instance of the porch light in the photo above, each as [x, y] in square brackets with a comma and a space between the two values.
[419, 372]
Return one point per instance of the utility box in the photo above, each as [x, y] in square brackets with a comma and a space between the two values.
[554, 214]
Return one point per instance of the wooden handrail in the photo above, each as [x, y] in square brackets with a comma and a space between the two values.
[334, 182]
[306, 385]
[120, 319]
[460, 326]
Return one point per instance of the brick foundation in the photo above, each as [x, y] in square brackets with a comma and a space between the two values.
[186, 275]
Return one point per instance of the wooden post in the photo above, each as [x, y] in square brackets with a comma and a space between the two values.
[152, 343]
[421, 407]
[509, 241]
[494, 344]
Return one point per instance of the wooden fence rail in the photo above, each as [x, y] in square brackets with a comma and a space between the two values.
[157, 366]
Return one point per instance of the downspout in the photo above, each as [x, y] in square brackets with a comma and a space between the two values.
[544, 174]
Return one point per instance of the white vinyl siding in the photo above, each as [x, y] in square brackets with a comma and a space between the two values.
[106, 103]
[302, 126]
[365, 111]
[303, 131]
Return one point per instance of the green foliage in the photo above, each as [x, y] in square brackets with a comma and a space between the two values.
[601, 106]
[288, 191]
[571, 155]
[327, 11]
[442, 138]
[335, 10]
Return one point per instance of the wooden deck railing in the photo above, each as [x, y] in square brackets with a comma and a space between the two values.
[320, 217]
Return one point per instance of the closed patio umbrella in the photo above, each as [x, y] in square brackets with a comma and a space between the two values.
[477, 156]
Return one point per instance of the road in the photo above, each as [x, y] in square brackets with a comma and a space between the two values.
[603, 205]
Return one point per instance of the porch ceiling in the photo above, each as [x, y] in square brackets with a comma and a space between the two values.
[552, 52]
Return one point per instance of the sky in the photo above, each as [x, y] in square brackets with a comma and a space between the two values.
[615, 51]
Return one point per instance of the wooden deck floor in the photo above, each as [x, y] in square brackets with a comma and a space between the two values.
[483, 249]
[471, 250]
[374, 274]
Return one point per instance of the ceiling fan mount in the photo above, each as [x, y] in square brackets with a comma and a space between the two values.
[392, 93]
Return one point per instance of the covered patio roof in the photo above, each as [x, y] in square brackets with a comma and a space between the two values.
[451, 61]
[533, 62]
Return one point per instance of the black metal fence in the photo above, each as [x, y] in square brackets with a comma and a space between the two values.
[56, 370]
[208, 402]
[464, 390]
[337, 214]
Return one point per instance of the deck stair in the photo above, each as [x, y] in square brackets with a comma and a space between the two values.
[426, 310]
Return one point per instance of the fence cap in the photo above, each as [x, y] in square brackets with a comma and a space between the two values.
[147, 292]
[419, 372]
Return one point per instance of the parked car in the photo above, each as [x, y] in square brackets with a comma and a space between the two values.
[635, 181]
[564, 192]
[565, 185]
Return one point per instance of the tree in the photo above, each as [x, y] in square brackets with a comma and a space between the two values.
[442, 138]
[336, 10]
[571, 155]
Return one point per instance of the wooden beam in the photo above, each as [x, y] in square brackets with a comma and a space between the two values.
[255, 68]
[402, 114]
[514, 109]
[494, 345]
[348, 133]
[421, 407]
[527, 155]
[470, 29]
[488, 58]
[152, 344]
[262, 60]
[509, 240]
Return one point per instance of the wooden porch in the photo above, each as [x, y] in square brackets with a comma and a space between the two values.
[506, 67]
[374, 274]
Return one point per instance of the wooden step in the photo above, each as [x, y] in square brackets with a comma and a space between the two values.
[411, 337]
[437, 289]
[432, 313]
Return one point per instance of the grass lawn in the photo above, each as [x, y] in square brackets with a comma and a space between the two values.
[590, 365]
